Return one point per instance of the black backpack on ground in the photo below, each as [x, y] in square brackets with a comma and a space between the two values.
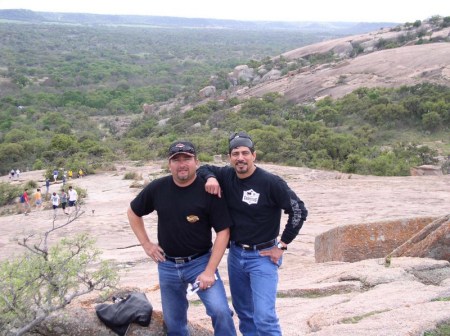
[118, 316]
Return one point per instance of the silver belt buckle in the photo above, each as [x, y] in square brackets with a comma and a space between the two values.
[246, 246]
[179, 260]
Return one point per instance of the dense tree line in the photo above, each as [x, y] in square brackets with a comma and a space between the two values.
[57, 81]
[370, 131]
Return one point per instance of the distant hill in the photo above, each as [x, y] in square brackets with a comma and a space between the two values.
[391, 57]
[176, 22]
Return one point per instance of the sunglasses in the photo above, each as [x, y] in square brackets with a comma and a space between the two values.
[181, 149]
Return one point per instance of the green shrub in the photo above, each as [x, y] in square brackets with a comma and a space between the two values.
[9, 193]
[38, 165]
[132, 176]
[204, 157]
[442, 330]
[47, 279]
[31, 184]
[446, 167]
[431, 121]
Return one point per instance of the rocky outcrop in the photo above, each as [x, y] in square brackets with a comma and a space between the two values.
[418, 237]
[344, 47]
[366, 298]
[336, 298]
[426, 170]
[241, 73]
[148, 108]
[362, 298]
[83, 321]
[352, 243]
[207, 91]
[409, 65]
[433, 241]
[405, 55]
[271, 75]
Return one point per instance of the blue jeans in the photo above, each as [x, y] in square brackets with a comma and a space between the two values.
[174, 279]
[253, 284]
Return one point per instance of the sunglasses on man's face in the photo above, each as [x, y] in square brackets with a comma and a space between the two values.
[182, 149]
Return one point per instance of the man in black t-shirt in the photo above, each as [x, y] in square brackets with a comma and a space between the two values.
[184, 252]
[255, 199]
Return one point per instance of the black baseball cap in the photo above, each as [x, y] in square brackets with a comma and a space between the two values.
[182, 147]
[239, 139]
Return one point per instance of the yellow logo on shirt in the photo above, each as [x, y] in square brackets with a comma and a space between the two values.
[192, 218]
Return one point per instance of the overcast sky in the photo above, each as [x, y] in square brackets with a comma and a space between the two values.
[254, 10]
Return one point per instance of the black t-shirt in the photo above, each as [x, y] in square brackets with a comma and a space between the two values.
[185, 215]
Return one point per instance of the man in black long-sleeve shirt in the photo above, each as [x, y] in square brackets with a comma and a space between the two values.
[255, 199]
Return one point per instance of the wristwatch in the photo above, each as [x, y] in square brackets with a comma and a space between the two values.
[281, 247]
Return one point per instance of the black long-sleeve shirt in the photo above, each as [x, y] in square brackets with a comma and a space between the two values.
[255, 204]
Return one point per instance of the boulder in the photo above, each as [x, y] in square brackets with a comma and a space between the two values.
[426, 170]
[163, 122]
[343, 50]
[148, 108]
[242, 73]
[78, 321]
[433, 241]
[207, 91]
[352, 243]
[271, 75]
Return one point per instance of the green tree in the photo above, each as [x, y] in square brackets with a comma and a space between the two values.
[303, 129]
[431, 121]
[11, 155]
[352, 164]
[47, 278]
[388, 164]
[51, 120]
[63, 143]
[270, 144]
[446, 22]
[16, 135]
[329, 115]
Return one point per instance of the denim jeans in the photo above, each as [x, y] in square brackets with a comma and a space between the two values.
[253, 284]
[174, 279]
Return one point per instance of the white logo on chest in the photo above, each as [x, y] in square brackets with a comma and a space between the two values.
[250, 197]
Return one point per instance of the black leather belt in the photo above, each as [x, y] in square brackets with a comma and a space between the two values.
[183, 260]
[256, 247]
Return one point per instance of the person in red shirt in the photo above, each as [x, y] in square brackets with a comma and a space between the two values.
[26, 202]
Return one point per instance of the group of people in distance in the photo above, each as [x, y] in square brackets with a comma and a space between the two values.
[243, 204]
[70, 198]
[14, 174]
[66, 175]
[63, 199]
